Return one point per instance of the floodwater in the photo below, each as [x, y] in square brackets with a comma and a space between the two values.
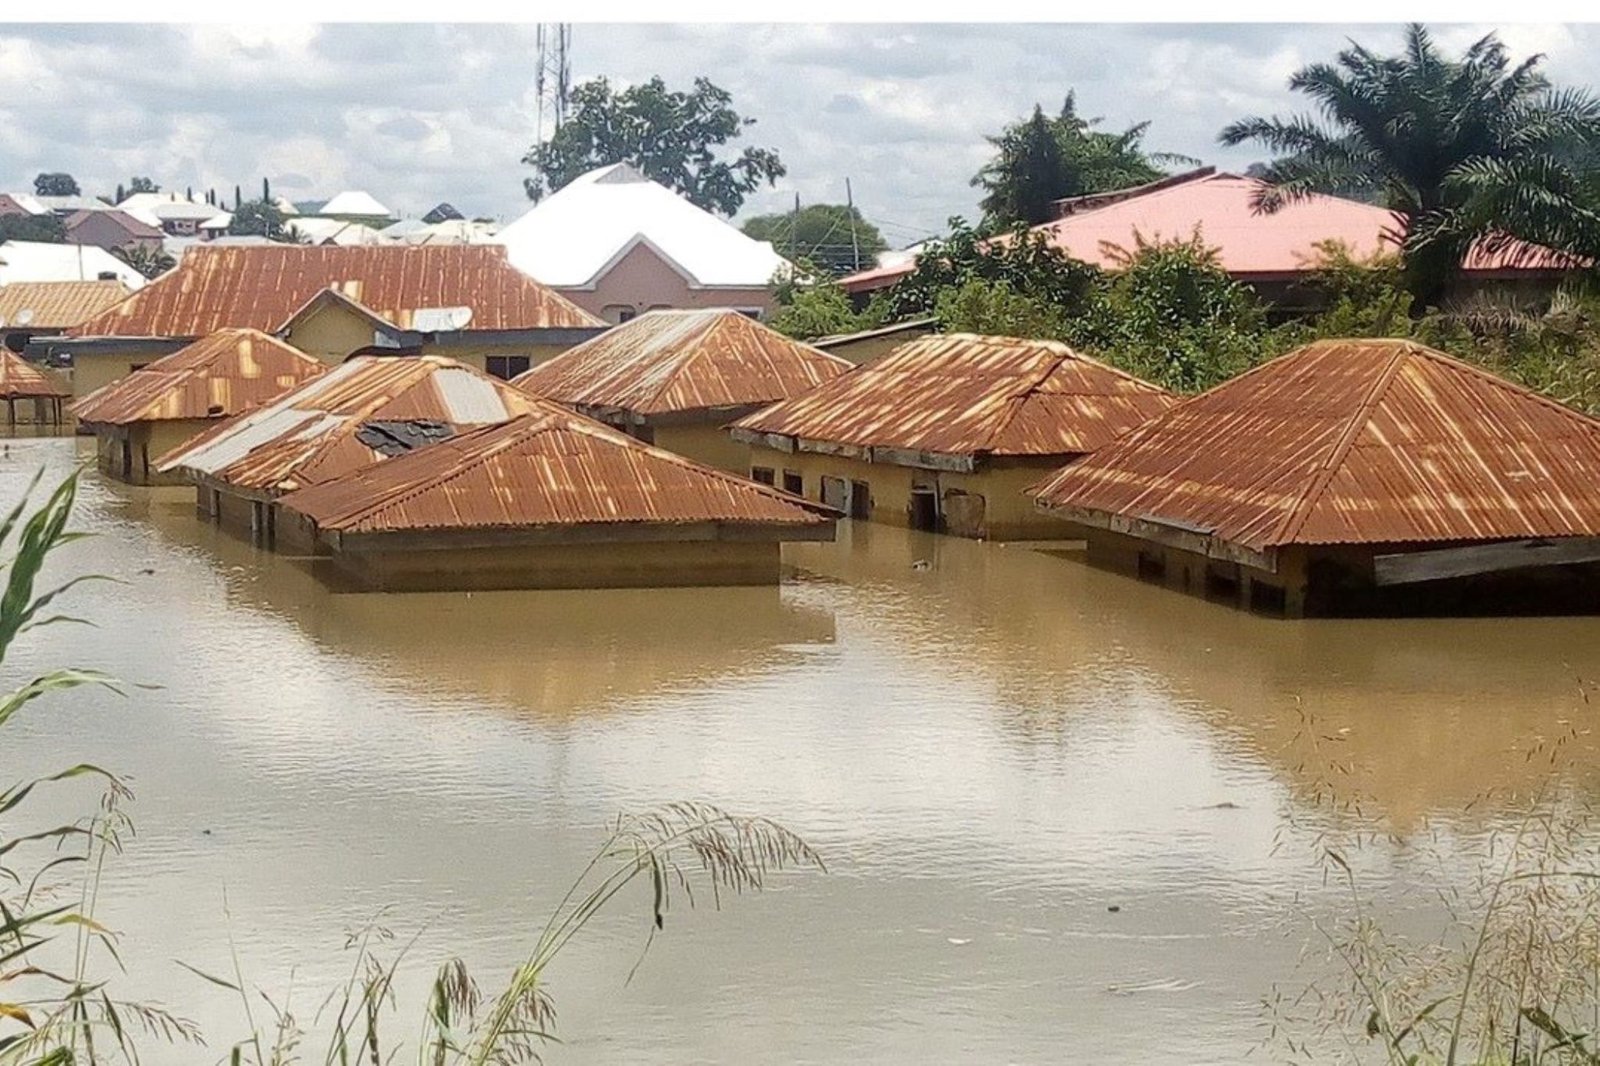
[991, 746]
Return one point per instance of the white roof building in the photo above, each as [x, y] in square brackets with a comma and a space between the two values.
[333, 231]
[29, 203]
[573, 236]
[355, 202]
[37, 261]
[68, 204]
[452, 231]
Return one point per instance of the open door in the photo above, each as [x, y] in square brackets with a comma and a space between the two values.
[924, 509]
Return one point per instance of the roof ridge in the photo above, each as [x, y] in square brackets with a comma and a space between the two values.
[697, 337]
[1295, 519]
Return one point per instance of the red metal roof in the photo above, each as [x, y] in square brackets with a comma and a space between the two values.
[550, 467]
[309, 434]
[1351, 441]
[261, 287]
[1251, 245]
[53, 305]
[669, 361]
[20, 379]
[230, 371]
[962, 394]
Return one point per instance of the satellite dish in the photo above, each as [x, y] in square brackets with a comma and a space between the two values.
[24, 316]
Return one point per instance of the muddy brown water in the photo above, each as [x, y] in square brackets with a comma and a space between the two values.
[990, 745]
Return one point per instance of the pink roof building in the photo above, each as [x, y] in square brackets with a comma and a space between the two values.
[1252, 245]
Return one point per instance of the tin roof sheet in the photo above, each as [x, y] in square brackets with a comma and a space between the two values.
[218, 376]
[309, 434]
[964, 394]
[1352, 441]
[261, 287]
[666, 361]
[549, 467]
[56, 304]
[20, 378]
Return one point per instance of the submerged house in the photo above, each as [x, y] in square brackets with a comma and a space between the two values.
[945, 433]
[367, 410]
[33, 396]
[31, 309]
[618, 244]
[676, 378]
[1354, 476]
[464, 301]
[154, 410]
[550, 499]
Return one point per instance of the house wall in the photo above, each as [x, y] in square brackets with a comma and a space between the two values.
[706, 443]
[332, 331]
[146, 443]
[564, 566]
[90, 370]
[642, 280]
[1003, 513]
[871, 349]
[1281, 592]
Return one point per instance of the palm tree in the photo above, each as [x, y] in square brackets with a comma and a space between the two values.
[1459, 149]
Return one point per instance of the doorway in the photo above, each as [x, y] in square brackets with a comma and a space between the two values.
[860, 500]
[924, 509]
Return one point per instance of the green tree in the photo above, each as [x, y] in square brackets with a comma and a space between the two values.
[1458, 149]
[136, 185]
[1041, 160]
[151, 262]
[1023, 259]
[670, 137]
[835, 238]
[44, 228]
[995, 308]
[261, 218]
[56, 184]
[807, 309]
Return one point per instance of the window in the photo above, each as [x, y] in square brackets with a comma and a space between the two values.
[1152, 567]
[834, 492]
[793, 482]
[618, 313]
[860, 500]
[506, 367]
[764, 474]
[750, 312]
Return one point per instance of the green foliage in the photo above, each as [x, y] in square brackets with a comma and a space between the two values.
[1025, 261]
[807, 309]
[669, 136]
[833, 238]
[261, 218]
[1041, 160]
[136, 185]
[56, 184]
[150, 262]
[1459, 148]
[995, 308]
[46, 228]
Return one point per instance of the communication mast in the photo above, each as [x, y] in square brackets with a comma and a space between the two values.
[553, 78]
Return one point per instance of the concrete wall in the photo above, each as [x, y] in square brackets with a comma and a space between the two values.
[129, 452]
[90, 371]
[987, 504]
[564, 566]
[642, 281]
[332, 331]
[1282, 592]
[706, 443]
[871, 349]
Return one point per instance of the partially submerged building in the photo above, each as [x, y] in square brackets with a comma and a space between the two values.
[1351, 476]
[618, 244]
[367, 410]
[463, 301]
[676, 378]
[141, 417]
[30, 309]
[548, 500]
[946, 433]
[33, 396]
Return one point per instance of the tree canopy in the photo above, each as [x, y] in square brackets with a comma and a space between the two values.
[47, 229]
[834, 238]
[1459, 148]
[56, 184]
[669, 136]
[1043, 159]
[261, 218]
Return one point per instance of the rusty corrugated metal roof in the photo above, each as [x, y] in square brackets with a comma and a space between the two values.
[1351, 441]
[260, 287]
[669, 361]
[218, 376]
[46, 305]
[309, 434]
[963, 394]
[550, 467]
[21, 379]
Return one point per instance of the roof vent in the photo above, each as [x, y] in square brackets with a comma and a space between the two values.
[440, 319]
[107, 275]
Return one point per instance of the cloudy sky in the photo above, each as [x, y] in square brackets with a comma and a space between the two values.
[416, 114]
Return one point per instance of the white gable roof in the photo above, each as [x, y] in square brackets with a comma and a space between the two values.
[333, 230]
[29, 203]
[36, 261]
[355, 202]
[579, 232]
[144, 201]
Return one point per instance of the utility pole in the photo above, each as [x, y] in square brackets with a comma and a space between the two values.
[855, 246]
[794, 228]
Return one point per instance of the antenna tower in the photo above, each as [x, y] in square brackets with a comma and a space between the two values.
[553, 78]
